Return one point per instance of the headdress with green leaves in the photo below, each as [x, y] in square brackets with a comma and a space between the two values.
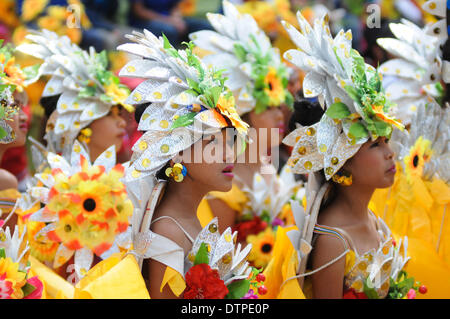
[350, 90]
[253, 67]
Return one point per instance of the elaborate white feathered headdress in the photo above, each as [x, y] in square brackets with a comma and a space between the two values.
[187, 98]
[88, 90]
[350, 91]
[418, 68]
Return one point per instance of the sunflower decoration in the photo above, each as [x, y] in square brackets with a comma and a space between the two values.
[15, 282]
[262, 246]
[86, 208]
[419, 154]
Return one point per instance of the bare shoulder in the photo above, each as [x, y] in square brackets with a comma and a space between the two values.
[168, 228]
[332, 216]
[7, 180]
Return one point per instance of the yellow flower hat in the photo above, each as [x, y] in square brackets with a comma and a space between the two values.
[86, 207]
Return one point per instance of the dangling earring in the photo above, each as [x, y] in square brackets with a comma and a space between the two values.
[85, 135]
[178, 171]
[344, 178]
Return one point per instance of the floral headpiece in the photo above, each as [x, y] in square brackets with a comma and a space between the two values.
[15, 282]
[418, 68]
[187, 99]
[253, 67]
[86, 207]
[88, 90]
[12, 78]
[356, 106]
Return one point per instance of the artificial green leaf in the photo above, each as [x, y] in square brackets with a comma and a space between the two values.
[202, 256]
[338, 111]
[105, 98]
[215, 94]
[3, 133]
[382, 128]
[265, 216]
[358, 131]
[28, 289]
[31, 71]
[370, 292]
[184, 120]
[338, 58]
[237, 289]
[240, 52]
[2, 253]
[352, 92]
[87, 91]
[194, 86]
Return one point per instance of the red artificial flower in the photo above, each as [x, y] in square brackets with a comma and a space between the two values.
[251, 227]
[352, 294]
[204, 283]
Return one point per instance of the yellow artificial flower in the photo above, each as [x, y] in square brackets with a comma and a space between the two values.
[92, 207]
[286, 215]
[14, 74]
[118, 95]
[41, 249]
[9, 271]
[262, 246]
[378, 109]
[418, 155]
[274, 89]
[32, 8]
[227, 107]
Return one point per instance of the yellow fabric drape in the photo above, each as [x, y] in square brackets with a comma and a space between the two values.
[235, 199]
[175, 281]
[282, 266]
[118, 277]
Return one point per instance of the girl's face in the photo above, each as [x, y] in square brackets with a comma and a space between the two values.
[106, 131]
[373, 165]
[214, 171]
[271, 118]
[19, 122]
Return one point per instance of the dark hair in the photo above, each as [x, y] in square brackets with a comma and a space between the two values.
[305, 113]
[49, 103]
[139, 110]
